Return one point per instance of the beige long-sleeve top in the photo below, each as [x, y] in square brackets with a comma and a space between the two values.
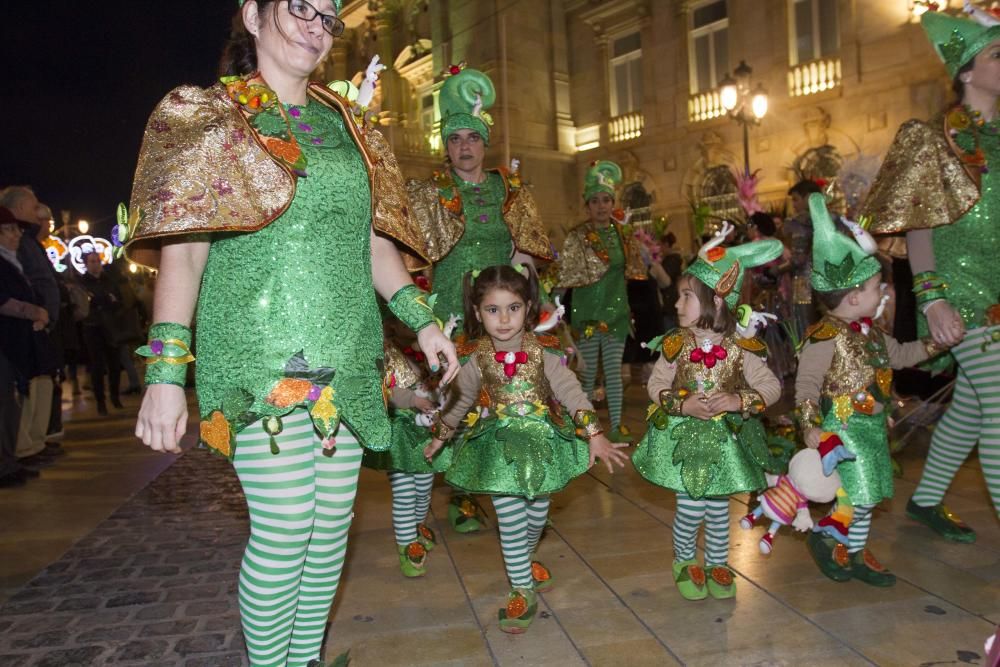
[564, 383]
[756, 374]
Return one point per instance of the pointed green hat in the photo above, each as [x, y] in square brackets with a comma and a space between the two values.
[465, 98]
[723, 269]
[839, 261]
[958, 40]
[602, 176]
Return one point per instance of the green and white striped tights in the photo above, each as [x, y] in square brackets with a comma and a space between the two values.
[610, 350]
[521, 524]
[973, 416]
[691, 513]
[300, 504]
[411, 500]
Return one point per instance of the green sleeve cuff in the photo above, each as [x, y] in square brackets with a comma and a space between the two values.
[410, 305]
[167, 353]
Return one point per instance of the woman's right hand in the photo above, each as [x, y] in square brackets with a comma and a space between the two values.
[162, 418]
[945, 324]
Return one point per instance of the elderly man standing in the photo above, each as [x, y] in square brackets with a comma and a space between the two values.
[31, 448]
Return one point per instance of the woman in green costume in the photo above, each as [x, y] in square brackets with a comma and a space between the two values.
[704, 440]
[525, 439]
[472, 217]
[596, 261]
[939, 187]
[247, 197]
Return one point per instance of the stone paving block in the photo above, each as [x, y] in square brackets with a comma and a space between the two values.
[129, 599]
[24, 608]
[84, 656]
[159, 571]
[209, 643]
[114, 634]
[208, 608]
[99, 618]
[157, 612]
[218, 660]
[179, 581]
[79, 604]
[39, 640]
[147, 559]
[43, 623]
[169, 628]
[203, 591]
[51, 578]
[142, 649]
[14, 659]
[5, 625]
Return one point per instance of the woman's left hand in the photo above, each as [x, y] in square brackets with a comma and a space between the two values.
[433, 343]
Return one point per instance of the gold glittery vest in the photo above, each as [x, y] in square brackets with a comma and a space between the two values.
[726, 376]
[529, 384]
[859, 375]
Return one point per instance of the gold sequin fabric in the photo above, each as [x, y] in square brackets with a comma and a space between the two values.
[399, 372]
[443, 229]
[580, 265]
[921, 185]
[725, 377]
[202, 168]
[856, 360]
[529, 384]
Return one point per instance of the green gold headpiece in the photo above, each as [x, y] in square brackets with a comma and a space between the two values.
[958, 40]
[602, 176]
[466, 96]
[723, 269]
[839, 261]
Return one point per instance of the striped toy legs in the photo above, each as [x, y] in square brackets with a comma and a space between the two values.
[857, 534]
[974, 415]
[716, 531]
[512, 516]
[300, 504]
[690, 514]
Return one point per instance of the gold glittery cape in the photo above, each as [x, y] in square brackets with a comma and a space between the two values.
[442, 221]
[922, 184]
[202, 169]
[579, 264]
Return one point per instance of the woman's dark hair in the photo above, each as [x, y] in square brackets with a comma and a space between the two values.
[499, 277]
[763, 222]
[804, 188]
[956, 83]
[239, 55]
[719, 320]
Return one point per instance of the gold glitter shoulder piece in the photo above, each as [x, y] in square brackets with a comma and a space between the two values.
[578, 263]
[822, 330]
[202, 169]
[753, 345]
[673, 343]
[635, 268]
[922, 184]
[520, 212]
[440, 229]
[398, 368]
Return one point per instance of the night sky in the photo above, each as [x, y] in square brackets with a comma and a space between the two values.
[80, 80]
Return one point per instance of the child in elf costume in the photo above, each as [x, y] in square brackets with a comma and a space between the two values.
[412, 402]
[533, 429]
[704, 441]
[843, 384]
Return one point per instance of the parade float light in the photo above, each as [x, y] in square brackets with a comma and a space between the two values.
[83, 226]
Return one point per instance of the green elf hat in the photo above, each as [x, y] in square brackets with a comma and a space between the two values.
[602, 176]
[958, 40]
[723, 269]
[466, 96]
[839, 261]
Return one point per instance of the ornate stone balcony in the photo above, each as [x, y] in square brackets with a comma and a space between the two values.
[626, 127]
[813, 77]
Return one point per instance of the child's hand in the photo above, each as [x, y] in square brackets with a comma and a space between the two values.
[607, 451]
[696, 405]
[719, 403]
[432, 449]
[424, 405]
[811, 437]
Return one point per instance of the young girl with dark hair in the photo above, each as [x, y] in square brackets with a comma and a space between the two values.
[707, 387]
[532, 431]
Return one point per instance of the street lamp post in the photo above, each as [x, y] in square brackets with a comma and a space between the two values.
[743, 105]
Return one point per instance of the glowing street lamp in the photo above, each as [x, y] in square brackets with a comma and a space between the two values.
[83, 226]
[744, 106]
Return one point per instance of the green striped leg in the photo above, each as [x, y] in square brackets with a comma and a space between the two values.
[300, 509]
[590, 350]
[424, 483]
[612, 352]
[512, 515]
[538, 516]
[716, 531]
[690, 514]
[974, 415]
[857, 534]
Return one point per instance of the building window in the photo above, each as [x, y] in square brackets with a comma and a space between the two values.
[709, 45]
[625, 65]
[814, 29]
[427, 111]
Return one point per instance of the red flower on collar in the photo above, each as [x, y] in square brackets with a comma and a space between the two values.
[510, 361]
[416, 355]
[862, 326]
[708, 354]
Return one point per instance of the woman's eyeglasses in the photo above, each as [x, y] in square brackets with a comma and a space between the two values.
[301, 9]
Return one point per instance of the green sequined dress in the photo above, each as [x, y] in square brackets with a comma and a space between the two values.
[965, 252]
[485, 242]
[406, 451]
[300, 287]
[606, 300]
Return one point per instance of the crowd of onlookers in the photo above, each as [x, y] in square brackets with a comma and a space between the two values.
[51, 324]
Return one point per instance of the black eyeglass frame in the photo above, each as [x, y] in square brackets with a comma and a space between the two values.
[336, 28]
